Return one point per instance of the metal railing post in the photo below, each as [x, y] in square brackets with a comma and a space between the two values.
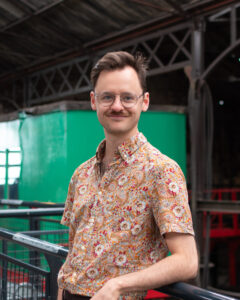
[34, 225]
[55, 264]
[6, 189]
[4, 271]
[206, 253]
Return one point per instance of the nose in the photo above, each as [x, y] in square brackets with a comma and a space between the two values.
[117, 104]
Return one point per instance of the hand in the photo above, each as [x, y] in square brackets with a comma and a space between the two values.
[110, 291]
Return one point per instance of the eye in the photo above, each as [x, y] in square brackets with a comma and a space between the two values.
[107, 97]
[127, 97]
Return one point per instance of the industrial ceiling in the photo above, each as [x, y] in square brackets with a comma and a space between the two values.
[38, 33]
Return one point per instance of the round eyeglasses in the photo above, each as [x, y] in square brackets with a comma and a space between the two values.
[127, 99]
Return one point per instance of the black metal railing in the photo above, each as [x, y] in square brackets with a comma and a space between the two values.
[34, 276]
[20, 280]
[187, 291]
[45, 254]
[32, 204]
[33, 282]
[26, 219]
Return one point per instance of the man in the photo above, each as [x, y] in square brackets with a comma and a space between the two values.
[127, 206]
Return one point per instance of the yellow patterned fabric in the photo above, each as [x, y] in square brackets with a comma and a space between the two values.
[117, 222]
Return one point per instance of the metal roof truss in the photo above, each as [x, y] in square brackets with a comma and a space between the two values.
[72, 77]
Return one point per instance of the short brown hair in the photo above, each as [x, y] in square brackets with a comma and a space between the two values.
[118, 60]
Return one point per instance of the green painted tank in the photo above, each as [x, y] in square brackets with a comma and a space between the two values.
[55, 143]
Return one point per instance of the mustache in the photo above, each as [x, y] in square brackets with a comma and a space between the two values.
[118, 114]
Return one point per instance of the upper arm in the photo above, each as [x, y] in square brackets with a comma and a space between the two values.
[69, 202]
[181, 243]
[170, 200]
[184, 246]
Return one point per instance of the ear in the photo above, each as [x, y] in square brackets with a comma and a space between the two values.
[146, 101]
[93, 100]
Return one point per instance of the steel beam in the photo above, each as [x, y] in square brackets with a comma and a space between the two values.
[56, 82]
[226, 206]
[194, 109]
[233, 33]
[72, 77]
[29, 15]
[176, 7]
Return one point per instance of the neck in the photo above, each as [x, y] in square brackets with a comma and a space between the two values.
[112, 143]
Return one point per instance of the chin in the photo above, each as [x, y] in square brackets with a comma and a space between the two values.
[119, 131]
[119, 128]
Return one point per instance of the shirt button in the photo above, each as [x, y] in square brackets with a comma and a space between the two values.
[100, 193]
[91, 220]
[83, 248]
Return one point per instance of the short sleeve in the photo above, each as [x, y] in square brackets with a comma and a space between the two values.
[170, 202]
[69, 201]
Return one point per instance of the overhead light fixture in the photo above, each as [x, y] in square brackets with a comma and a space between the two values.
[221, 102]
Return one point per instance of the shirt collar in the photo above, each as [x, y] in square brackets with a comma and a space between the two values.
[100, 151]
[126, 149]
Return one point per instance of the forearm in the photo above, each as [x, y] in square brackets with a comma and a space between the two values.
[60, 291]
[180, 266]
[171, 269]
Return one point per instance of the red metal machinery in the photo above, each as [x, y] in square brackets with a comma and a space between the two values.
[226, 227]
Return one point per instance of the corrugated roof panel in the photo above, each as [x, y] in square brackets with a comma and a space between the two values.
[12, 13]
[11, 9]
[33, 30]
[36, 4]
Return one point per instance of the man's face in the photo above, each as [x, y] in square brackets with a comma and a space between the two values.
[116, 119]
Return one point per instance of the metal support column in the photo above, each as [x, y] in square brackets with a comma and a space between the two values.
[194, 107]
[194, 120]
[201, 132]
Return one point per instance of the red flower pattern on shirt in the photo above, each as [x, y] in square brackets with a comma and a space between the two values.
[117, 222]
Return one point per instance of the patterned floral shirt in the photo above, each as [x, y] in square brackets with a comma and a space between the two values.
[117, 222]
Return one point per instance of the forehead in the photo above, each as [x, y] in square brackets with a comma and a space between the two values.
[120, 79]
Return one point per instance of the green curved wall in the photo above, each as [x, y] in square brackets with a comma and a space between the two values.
[55, 144]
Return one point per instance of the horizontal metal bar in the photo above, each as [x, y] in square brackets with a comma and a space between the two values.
[33, 243]
[219, 206]
[10, 151]
[14, 202]
[11, 202]
[189, 292]
[169, 68]
[49, 220]
[31, 212]
[44, 232]
[60, 95]
[137, 39]
[23, 264]
[182, 290]
[219, 58]
[224, 292]
[10, 166]
[222, 12]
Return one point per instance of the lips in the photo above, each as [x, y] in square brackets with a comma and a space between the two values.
[117, 119]
[116, 116]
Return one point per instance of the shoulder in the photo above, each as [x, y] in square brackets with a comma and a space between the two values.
[160, 160]
[84, 169]
[160, 164]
